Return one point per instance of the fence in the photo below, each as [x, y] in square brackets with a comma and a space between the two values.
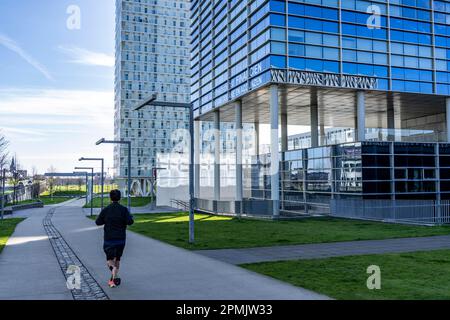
[22, 193]
[403, 211]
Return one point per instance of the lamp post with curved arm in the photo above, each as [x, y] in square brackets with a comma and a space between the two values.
[128, 143]
[103, 175]
[92, 186]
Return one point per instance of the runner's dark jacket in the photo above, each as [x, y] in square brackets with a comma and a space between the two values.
[115, 218]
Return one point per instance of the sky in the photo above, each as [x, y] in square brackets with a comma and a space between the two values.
[57, 81]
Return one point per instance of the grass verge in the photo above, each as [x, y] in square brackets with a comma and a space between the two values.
[407, 276]
[47, 200]
[7, 228]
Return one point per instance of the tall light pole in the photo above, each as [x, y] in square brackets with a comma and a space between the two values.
[128, 143]
[92, 186]
[103, 174]
[87, 183]
[3, 192]
[152, 101]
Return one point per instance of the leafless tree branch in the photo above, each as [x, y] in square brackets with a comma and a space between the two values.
[3, 151]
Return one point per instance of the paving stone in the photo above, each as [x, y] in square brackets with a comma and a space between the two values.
[90, 289]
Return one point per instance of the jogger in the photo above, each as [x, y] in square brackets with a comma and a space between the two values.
[115, 218]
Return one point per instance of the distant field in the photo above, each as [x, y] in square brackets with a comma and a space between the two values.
[75, 190]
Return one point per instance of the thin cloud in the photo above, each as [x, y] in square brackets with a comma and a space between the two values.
[23, 131]
[56, 126]
[13, 46]
[71, 105]
[87, 57]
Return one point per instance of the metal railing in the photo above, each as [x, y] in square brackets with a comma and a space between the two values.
[179, 204]
[403, 211]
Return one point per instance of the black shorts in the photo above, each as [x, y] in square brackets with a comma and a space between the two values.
[113, 251]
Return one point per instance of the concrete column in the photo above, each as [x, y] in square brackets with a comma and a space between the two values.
[239, 147]
[314, 119]
[390, 118]
[360, 116]
[448, 118]
[257, 138]
[274, 142]
[322, 135]
[197, 151]
[284, 132]
[284, 146]
[217, 155]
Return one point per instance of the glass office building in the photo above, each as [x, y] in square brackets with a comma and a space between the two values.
[152, 57]
[379, 70]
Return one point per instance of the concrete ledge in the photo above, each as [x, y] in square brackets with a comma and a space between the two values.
[8, 212]
[12, 209]
[253, 207]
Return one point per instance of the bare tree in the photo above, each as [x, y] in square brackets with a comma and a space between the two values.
[3, 156]
[15, 177]
[51, 181]
[34, 172]
[3, 151]
[80, 183]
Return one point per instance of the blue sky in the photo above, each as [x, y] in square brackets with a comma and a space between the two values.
[56, 83]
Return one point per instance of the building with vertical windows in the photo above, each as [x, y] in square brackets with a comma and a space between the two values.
[152, 57]
[363, 85]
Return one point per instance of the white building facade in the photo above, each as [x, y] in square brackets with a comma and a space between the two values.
[152, 57]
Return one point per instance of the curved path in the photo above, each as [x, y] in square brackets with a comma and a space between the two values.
[151, 269]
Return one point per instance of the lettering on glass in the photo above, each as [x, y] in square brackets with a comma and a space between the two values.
[323, 79]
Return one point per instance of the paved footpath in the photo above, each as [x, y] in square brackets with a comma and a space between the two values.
[29, 269]
[327, 250]
[151, 269]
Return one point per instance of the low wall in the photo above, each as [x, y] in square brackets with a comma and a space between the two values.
[251, 207]
[12, 209]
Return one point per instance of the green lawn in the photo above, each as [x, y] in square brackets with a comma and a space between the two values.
[408, 276]
[75, 190]
[7, 227]
[47, 200]
[214, 232]
[135, 202]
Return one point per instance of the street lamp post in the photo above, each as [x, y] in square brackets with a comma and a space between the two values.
[3, 192]
[87, 184]
[92, 186]
[103, 174]
[152, 101]
[128, 143]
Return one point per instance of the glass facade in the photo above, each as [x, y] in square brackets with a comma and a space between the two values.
[152, 56]
[404, 44]
[311, 178]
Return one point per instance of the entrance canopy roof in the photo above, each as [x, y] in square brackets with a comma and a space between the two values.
[337, 107]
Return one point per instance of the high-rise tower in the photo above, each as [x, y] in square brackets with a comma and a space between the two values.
[152, 57]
